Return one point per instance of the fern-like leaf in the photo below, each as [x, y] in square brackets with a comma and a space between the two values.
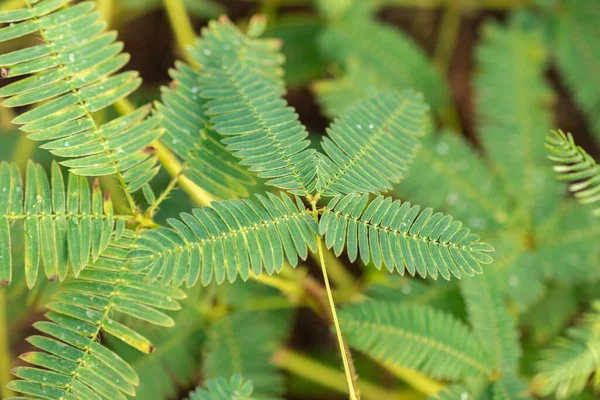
[72, 74]
[565, 368]
[228, 239]
[187, 133]
[244, 93]
[220, 389]
[578, 57]
[228, 352]
[513, 105]
[491, 322]
[372, 143]
[391, 59]
[576, 166]
[450, 176]
[72, 363]
[176, 358]
[402, 237]
[61, 228]
[416, 337]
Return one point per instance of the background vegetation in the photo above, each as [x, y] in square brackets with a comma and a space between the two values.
[498, 75]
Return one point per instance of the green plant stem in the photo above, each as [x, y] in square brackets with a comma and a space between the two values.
[11, 5]
[349, 370]
[313, 370]
[182, 27]
[106, 8]
[342, 279]
[289, 288]
[448, 34]
[415, 379]
[171, 164]
[5, 357]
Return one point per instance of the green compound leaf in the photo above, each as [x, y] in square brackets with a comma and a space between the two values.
[574, 165]
[221, 389]
[415, 337]
[227, 239]
[61, 228]
[72, 364]
[402, 237]
[72, 74]
[372, 143]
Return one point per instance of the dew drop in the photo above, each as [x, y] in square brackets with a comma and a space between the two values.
[451, 199]
[442, 148]
[207, 52]
[359, 126]
[71, 57]
[66, 144]
[464, 396]
[371, 126]
[406, 289]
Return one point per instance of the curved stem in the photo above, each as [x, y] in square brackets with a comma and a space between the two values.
[315, 371]
[171, 164]
[182, 27]
[346, 356]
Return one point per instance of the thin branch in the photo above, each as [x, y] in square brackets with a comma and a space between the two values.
[182, 27]
[349, 369]
[326, 376]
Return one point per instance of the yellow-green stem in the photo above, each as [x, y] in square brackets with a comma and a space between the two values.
[415, 379]
[106, 8]
[448, 34]
[182, 27]
[5, 356]
[341, 277]
[353, 392]
[11, 5]
[313, 370]
[284, 286]
[117, 195]
[170, 163]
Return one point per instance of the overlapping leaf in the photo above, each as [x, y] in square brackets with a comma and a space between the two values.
[61, 228]
[574, 165]
[71, 363]
[227, 239]
[72, 75]
[372, 143]
[513, 102]
[188, 135]
[402, 237]
[415, 337]
[448, 175]
[221, 389]
[391, 59]
[578, 55]
[228, 352]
